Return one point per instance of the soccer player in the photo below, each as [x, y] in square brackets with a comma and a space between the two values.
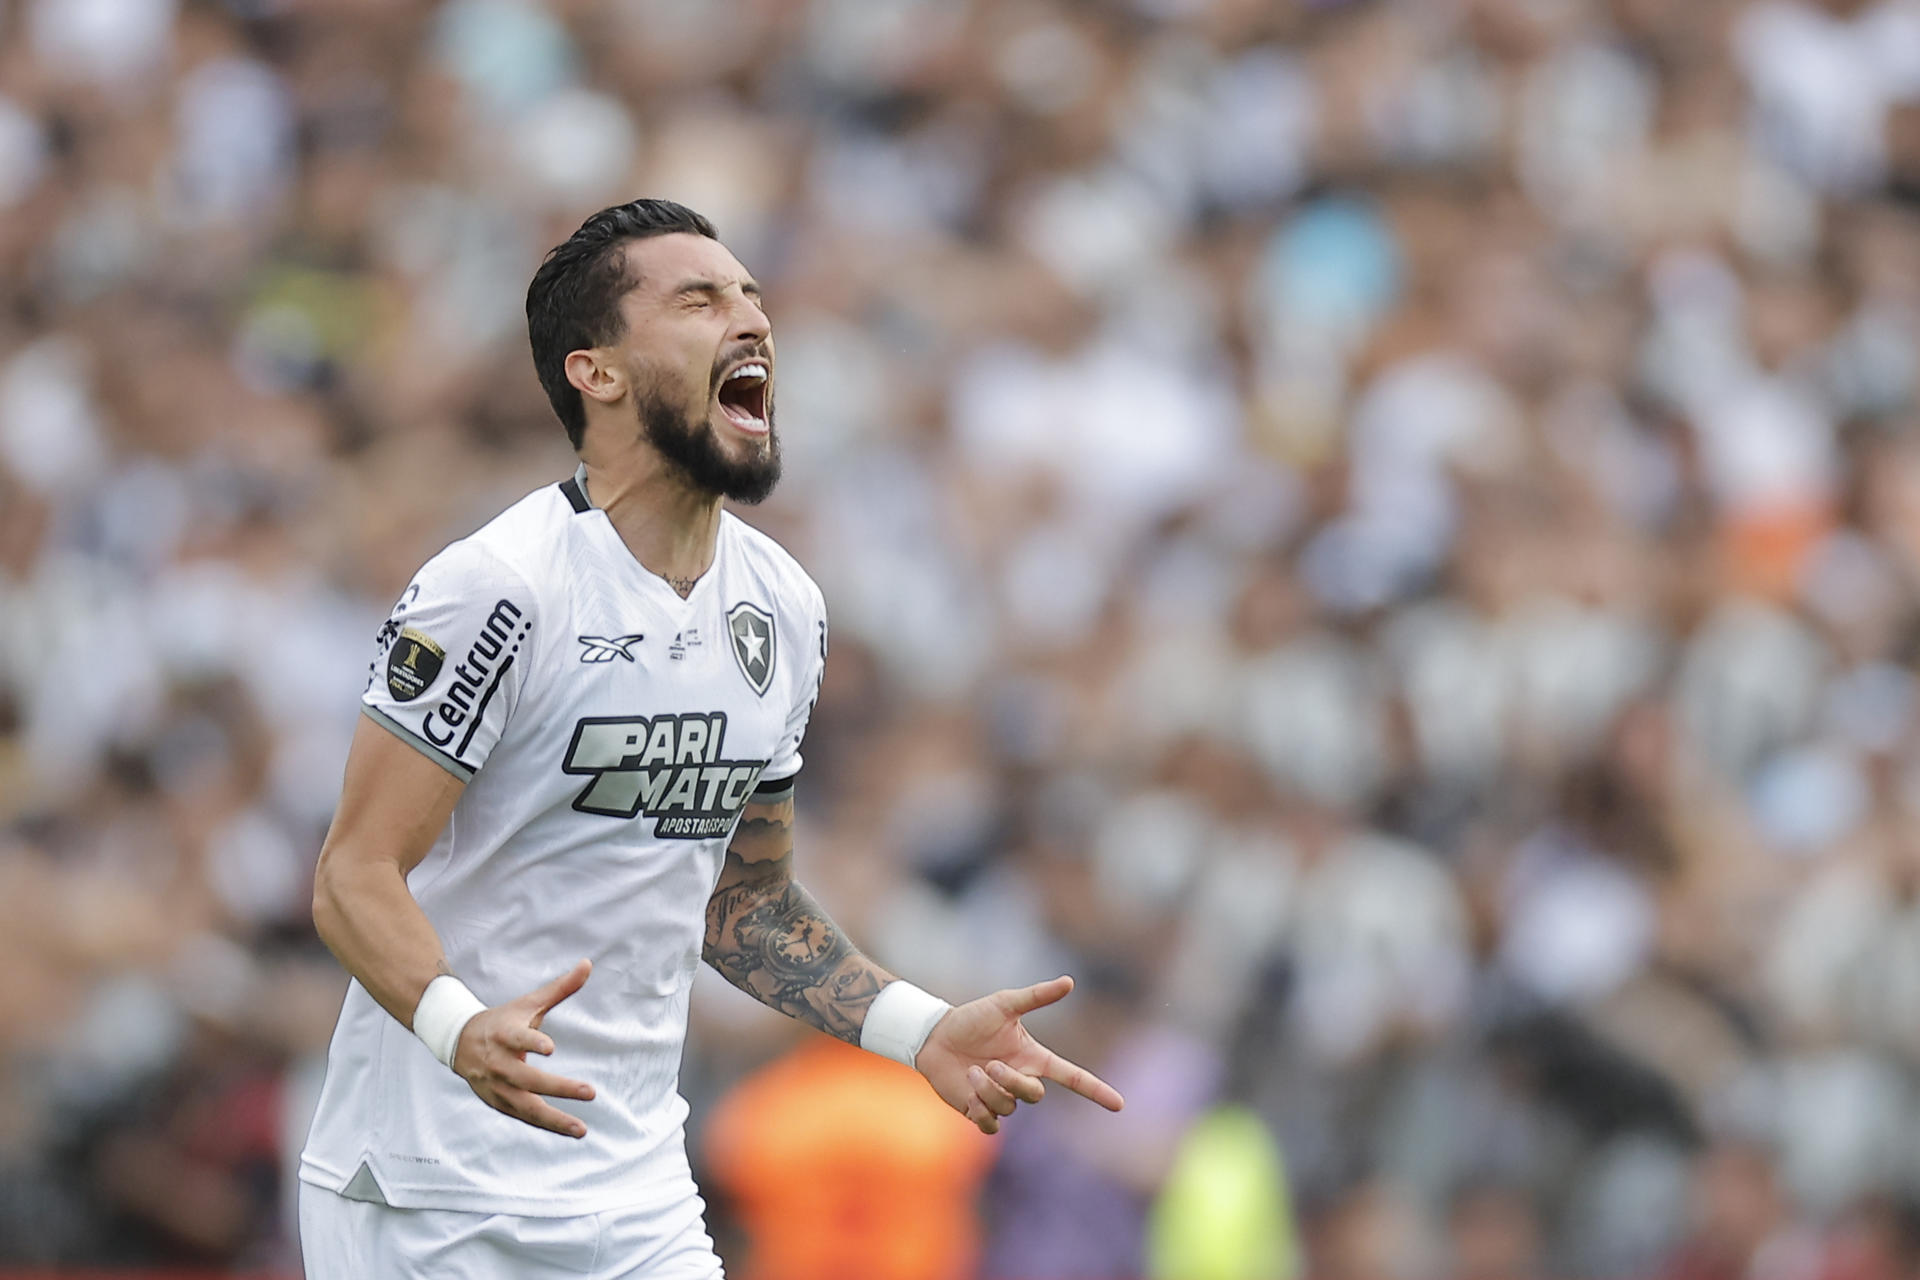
[572, 781]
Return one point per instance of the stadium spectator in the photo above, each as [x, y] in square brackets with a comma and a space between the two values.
[866, 1179]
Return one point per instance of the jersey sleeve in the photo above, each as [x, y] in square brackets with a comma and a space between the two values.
[777, 779]
[450, 659]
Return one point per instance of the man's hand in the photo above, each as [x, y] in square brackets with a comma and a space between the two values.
[492, 1057]
[983, 1063]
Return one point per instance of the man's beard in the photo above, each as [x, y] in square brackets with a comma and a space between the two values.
[693, 449]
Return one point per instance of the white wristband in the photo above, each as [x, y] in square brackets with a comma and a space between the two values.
[899, 1021]
[445, 1008]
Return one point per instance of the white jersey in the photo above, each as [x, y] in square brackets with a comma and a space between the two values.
[609, 733]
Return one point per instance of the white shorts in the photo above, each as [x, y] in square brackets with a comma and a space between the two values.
[346, 1239]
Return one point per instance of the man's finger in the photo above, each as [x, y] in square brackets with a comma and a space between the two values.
[521, 1076]
[544, 998]
[1018, 1083]
[522, 1105]
[1024, 1000]
[526, 1040]
[983, 1119]
[1082, 1082]
[997, 1100]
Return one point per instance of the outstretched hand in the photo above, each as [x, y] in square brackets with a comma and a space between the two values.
[492, 1057]
[983, 1063]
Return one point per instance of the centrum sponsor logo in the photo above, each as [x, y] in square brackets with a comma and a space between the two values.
[669, 768]
[478, 675]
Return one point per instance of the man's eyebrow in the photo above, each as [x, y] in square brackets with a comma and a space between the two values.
[701, 284]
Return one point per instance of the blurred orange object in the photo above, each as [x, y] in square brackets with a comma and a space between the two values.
[846, 1166]
[1766, 549]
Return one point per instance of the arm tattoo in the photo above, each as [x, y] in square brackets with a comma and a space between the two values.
[767, 936]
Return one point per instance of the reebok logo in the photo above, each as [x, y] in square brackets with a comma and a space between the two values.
[602, 649]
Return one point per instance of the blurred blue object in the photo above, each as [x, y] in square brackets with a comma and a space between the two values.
[507, 54]
[1334, 266]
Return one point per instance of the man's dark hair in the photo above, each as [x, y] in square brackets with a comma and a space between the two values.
[574, 300]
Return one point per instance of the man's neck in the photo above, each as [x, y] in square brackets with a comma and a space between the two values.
[670, 528]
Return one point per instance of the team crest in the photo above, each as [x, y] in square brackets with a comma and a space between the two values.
[751, 630]
[412, 664]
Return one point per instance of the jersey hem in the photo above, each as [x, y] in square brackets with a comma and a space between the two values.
[644, 1197]
[456, 768]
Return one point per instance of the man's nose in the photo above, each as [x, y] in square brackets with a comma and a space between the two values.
[750, 323]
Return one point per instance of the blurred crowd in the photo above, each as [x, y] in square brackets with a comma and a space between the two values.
[1382, 535]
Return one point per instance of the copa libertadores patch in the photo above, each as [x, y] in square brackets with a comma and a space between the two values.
[412, 664]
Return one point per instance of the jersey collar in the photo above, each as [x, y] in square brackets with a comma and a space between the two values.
[576, 491]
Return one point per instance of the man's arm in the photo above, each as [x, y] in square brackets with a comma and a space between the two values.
[393, 805]
[767, 936]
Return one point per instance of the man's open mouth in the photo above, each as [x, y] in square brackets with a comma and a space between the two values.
[743, 397]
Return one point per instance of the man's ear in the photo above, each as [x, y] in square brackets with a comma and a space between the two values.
[595, 376]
